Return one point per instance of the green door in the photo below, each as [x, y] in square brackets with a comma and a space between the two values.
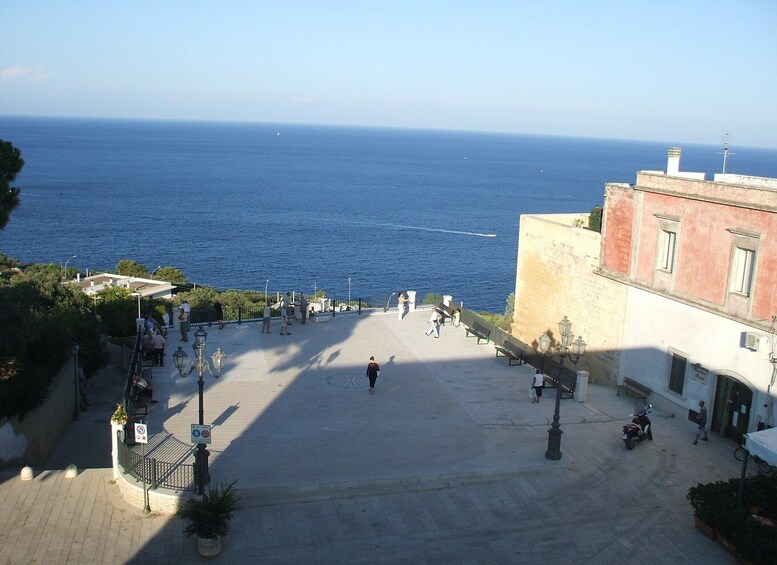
[731, 411]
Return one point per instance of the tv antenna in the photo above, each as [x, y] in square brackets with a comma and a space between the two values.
[726, 153]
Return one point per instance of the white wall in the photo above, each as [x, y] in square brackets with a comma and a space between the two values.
[655, 326]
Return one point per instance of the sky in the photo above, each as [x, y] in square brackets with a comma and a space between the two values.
[673, 71]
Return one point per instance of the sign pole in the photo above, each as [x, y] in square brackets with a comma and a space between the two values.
[146, 508]
[141, 437]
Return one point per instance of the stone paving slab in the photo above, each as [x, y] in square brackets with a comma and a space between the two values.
[445, 464]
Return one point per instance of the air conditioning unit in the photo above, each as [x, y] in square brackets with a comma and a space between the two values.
[752, 341]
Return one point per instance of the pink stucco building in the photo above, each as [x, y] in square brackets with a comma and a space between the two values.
[699, 261]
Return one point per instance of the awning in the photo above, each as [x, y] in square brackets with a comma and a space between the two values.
[763, 444]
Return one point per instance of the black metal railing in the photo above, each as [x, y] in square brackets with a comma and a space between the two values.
[531, 355]
[254, 313]
[174, 476]
[134, 369]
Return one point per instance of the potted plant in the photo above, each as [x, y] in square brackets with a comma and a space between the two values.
[208, 518]
[119, 416]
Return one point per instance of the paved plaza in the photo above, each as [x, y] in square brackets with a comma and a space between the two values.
[444, 464]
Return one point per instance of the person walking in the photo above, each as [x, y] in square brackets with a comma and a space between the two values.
[219, 313]
[158, 342]
[266, 318]
[183, 320]
[434, 324]
[701, 419]
[537, 385]
[303, 306]
[284, 320]
[401, 301]
[373, 371]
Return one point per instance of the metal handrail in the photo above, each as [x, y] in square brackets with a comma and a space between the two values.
[174, 476]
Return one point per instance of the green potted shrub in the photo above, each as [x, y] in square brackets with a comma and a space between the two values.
[208, 518]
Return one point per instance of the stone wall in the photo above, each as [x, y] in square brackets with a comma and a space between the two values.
[556, 277]
[118, 356]
[30, 441]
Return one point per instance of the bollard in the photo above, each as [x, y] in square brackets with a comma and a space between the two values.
[27, 474]
[581, 387]
[71, 471]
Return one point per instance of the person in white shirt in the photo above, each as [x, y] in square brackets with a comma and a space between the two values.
[537, 385]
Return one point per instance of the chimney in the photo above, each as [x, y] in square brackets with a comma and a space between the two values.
[673, 161]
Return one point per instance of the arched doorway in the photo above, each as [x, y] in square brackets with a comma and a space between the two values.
[731, 410]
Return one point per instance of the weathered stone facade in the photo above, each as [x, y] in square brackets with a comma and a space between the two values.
[556, 277]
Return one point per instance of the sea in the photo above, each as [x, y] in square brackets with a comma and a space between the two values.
[357, 212]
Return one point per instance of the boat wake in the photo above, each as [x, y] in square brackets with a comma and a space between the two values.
[456, 232]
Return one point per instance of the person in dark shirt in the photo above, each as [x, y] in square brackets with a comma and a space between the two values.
[373, 370]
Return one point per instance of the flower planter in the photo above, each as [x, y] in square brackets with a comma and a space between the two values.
[209, 547]
[725, 542]
[703, 527]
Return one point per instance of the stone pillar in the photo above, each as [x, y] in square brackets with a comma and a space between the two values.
[581, 388]
[115, 448]
[411, 300]
[447, 299]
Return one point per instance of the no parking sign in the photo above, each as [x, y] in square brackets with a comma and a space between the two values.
[200, 434]
[141, 433]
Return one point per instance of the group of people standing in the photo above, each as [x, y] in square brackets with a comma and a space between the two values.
[154, 347]
[286, 314]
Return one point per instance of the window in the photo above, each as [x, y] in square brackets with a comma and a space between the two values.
[666, 250]
[742, 270]
[677, 373]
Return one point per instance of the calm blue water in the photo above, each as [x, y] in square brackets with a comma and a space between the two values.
[234, 205]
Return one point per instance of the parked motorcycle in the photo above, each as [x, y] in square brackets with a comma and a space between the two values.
[639, 429]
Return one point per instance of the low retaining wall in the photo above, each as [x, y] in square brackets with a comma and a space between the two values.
[31, 440]
[160, 500]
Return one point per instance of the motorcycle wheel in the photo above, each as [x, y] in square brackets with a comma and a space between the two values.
[650, 435]
[630, 443]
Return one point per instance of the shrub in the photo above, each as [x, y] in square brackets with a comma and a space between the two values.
[595, 219]
[717, 505]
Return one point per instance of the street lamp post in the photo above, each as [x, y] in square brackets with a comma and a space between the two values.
[577, 347]
[349, 293]
[64, 271]
[77, 408]
[201, 364]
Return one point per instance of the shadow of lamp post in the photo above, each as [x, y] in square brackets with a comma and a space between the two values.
[201, 364]
[572, 349]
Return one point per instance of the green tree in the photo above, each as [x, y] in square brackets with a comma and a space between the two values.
[117, 309]
[595, 219]
[39, 322]
[201, 297]
[131, 269]
[170, 274]
[11, 163]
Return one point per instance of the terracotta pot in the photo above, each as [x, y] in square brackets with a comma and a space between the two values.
[208, 547]
[703, 527]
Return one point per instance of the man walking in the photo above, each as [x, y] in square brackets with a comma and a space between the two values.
[183, 320]
[537, 385]
[158, 343]
[701, 419]
[284, 320]
[266, 318]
